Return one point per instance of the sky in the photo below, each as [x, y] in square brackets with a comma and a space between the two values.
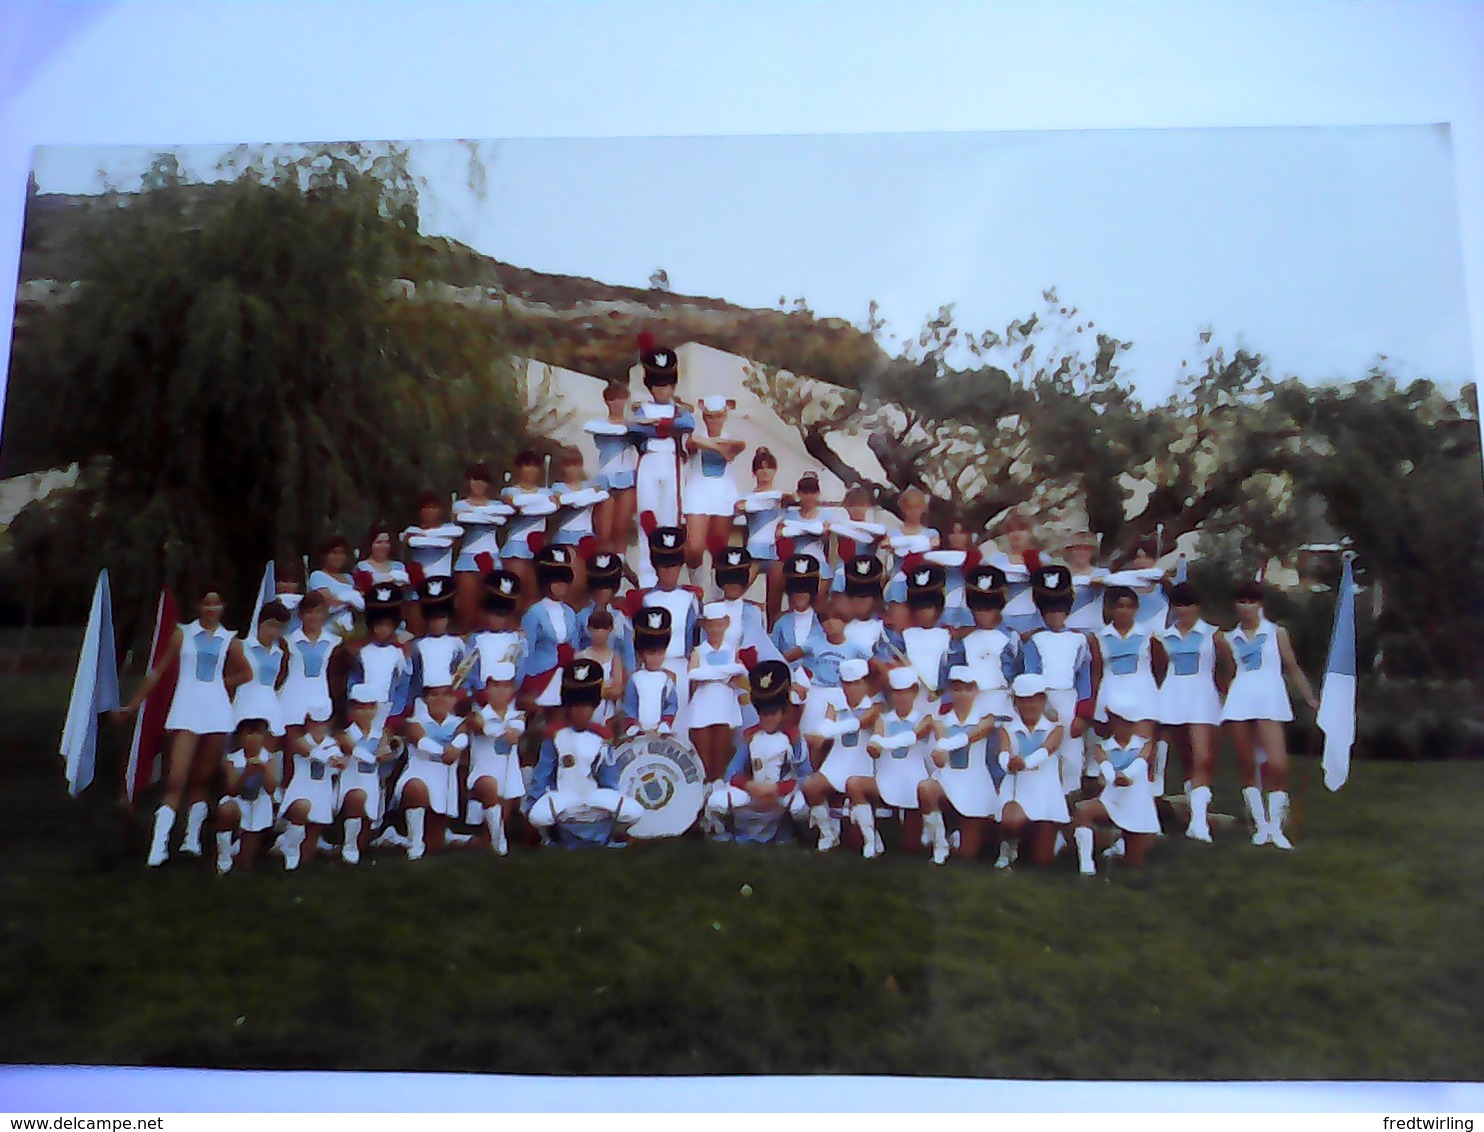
[1320, 247]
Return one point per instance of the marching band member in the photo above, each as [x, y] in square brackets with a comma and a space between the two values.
[501, 641]
[575, 781]
[651, 700]
[1063, 659]
[747, 626]
[925, 643]
[604, 576]
[599, 648]
[379, 565]
[246, 805]
[338, 586]
[618, 464]
[437, 654]
[710, 493]
[1125, 764]
[855, 535]
[306, 689]
[1256, 708]
[1189, 704]
[804, 530]
[1019, 560]
[660, 428]
[430, 551]
[573, 525]
[903, 736]
[716, 679]
[480, 516]
[1130, 661]
[760, 512]
[1079, 552]
[381, 664]
[966, 776]
[257, 697]
[683, 603]
[428, 789]
[309, 797]
[861, 578]
[958, 556]
[762, 782]
[1034, 804]
[906, 543]
[1154, 603]
[988, 650]
[843, 755]
[368, 759]
[823, 656]
[495, 728]
[799, 630]
[525, 531]
[288, 587]
[550, 631]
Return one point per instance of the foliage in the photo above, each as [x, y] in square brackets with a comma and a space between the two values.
[237, 385]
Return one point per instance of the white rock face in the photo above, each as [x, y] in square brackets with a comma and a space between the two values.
[19, 491]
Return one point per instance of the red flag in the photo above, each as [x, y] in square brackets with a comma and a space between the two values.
[147, 750]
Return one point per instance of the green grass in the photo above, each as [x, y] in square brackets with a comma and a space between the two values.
[1356, 957]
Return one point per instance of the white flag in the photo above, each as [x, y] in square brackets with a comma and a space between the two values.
[1336, 716]
[95, 690]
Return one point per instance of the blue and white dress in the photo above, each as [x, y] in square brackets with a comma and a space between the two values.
[1037, 788]
[903, 761]
[306, 690]
[1127, 670]
[573, 525]
[970, 777]
[345, 600]
[432, 551]
[848, 758]
[362, 772]
[425, 760]
[494, 757]
[1258, 690]
[258, 698]
[201, 704]
[618, 459]
[709, 488]
[713, 699]
[1130, 808]
[481, 523]
[1188, 694]
[254, 800]
[525, 531]
[761, 513]
[314, 780]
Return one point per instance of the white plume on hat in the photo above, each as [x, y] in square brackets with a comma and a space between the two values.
[1029, 684]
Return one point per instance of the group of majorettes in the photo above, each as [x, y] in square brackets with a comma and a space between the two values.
[987, 694]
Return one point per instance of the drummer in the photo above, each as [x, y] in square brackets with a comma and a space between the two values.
[763, 778]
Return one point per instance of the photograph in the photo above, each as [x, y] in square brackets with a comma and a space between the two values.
[998, 605]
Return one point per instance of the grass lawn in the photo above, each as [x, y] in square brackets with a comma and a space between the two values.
[1357, 956]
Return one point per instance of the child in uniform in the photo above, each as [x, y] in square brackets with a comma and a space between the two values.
[763, 780]
[368, 755]
[1125, 764]
[899, 748]
[525, 531]
[966, 774]
[480, 516]
[495, 729]
[843, 755]
[618, 461]
[430, 552]
[710, 493]
[989, 650]
[550, 631]
[1063, 658]
[428, 789]
[659, 428]
[651, 701]
[246, 805]
[573, 524]
[760, 512]
[1033, 803]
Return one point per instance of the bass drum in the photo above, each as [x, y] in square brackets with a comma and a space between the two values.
[667, 781]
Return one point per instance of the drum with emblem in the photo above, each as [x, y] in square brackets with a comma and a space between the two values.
[667, 781]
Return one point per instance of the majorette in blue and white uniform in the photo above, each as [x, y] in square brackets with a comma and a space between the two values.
[1258, 690]
[425, 764]
[200, 704]
[762, 511]
[713, 697]
[902, 759]
[574, 518]
[492, 753]
[1037, 788]
[925, 648]
[992, 655]
[258, 698]
[254, 801]
[605, 571]
[525, 531]
[306, 690]
[432, 552]
[1130, 808]
[618, 459]
[747, 628]
[1128, 671]
[659, 431]
[1063, 659]
[435, 660]
[1188, 693]
[682, 603]
[971, 774]
[825, 662]
[363, 769]
[481, 523]
[709, 487]
[847, 757]
[313, 780]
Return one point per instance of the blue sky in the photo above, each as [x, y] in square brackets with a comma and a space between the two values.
[1321, 247]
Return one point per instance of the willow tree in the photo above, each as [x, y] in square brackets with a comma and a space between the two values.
[237, 383]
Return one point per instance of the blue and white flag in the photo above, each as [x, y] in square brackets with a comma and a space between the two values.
[1337, 698]
[267, 591]
[95, 690]
[1180, 571]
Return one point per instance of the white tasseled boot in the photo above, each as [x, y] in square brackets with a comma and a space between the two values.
[937, 831]
[1009, 851]
[827, 825]
[190, 844]
[1252, 795]
[1200, 802]
[415, 820]
[159, 846]
[293, 841]
[350, 852]
[1277, 811]
[223, 851]
[494, 821]
[865, 820]
[1083, 837]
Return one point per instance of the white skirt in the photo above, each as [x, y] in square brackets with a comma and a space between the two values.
[844, 763]
[504, 770]
[1257, 695]
[440, 779]
[300, 699]
[710, 495]
[575, 806]
[1039, 792]
[1189, 699]
[1138, 686]
[970, 789]
[897, 779]
[257, 815]
[352, 778]
[817, 703]
[1131, 808]
[258, 701]
[201, 708]
[318, 792]
[714, 702]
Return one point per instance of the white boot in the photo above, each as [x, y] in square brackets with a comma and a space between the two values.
[494, 821]
[827, 825]
[190, 844]
[865, 821]
[1114, 851]
[937, 831]
[293, 841]
[1200, 801]
[1009, 850]
[223, 851]
[1060, 845]
[1277, 811]
[159, 846]
[1252, 795]
[1083, 836]
[415, 846]
[1161, 759]
[350, 852]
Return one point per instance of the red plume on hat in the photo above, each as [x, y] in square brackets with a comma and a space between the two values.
[646, 342]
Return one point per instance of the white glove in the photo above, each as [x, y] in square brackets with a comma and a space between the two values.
[1036, 758]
